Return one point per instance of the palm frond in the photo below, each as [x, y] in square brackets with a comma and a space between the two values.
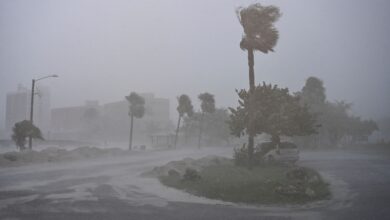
[258, 23]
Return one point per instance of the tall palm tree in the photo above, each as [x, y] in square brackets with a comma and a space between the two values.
[22, 130]
[184, 107]
[136, 109]
[261, 35]
[207, 106]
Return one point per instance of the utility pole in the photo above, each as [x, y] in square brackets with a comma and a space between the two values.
[32, 105]
[31, 112]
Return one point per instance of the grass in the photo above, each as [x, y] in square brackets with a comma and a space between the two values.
[257, 186]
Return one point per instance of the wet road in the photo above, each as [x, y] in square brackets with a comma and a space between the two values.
[111, 188]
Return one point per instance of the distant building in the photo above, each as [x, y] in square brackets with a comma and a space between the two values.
[18, 108]
[110, 121]
[70, 122]
[42, 109]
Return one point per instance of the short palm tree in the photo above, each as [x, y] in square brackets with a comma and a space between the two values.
[261, 35]
[184, 107]
[22, 130]
[136, 109]
[207, 106]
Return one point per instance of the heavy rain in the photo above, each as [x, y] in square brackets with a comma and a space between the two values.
[234, 109]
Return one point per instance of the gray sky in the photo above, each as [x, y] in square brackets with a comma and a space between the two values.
[105, 49]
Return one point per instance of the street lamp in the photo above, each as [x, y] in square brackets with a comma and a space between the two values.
[32, 103]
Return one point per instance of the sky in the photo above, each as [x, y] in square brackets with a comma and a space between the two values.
[102, 50]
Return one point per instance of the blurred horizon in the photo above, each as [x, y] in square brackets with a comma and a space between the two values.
[103, 50]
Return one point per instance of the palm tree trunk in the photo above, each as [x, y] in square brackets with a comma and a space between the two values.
[251, 64]
[200, 129]
[177, 130]
[251, 131]
[131, 131]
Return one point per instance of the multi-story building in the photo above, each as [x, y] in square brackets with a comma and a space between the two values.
[18, 108]
[70, 122]
[110, 121]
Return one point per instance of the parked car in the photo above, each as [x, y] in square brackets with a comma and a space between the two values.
[285, 152]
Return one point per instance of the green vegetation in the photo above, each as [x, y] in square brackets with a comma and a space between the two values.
[136, 109]
[260, 185]
[22, 130]
[337, 126]
[261, 35]
[184, 107]
[207, 106]
[271, 110]
[215, 129]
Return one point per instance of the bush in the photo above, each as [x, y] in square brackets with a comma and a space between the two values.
[298, 173]
[191, 175]
[173, 172]
[11, 156]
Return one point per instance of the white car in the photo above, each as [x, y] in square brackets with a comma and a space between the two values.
[284, 152]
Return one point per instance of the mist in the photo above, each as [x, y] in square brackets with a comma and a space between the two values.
[142, 109]
[103, 50]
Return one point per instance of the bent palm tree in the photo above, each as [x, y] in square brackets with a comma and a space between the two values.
[22, 130]
[184, 107]
[259, 34]
[136, 109]
[207, 106]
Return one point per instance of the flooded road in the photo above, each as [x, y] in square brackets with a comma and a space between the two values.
[112, 188]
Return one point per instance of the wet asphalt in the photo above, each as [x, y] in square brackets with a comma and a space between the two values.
[111, 188]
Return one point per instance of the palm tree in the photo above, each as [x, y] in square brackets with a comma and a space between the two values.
[207, 106]
[22, 130]
[136, 109]
[259, 34]
[184, 107]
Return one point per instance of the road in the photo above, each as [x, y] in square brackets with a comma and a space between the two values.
[112, 188]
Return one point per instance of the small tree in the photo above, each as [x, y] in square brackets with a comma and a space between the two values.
[275, 112]
[136, 109]
[359, 129]
[207, 106]
[336, 121]
[22, 130]
[214, 127]
[184, 107]
[313, 94]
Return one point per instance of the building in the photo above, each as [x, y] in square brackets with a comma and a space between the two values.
[110, 122]
[18, 108]
[70, 122]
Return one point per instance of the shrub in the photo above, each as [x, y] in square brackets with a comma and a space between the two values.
[191, 175]
[11, 156]
[173, 172]
[298, 173]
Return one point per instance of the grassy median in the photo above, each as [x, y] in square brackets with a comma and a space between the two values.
[274, 184]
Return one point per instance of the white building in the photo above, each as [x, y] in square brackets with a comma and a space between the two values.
[18, 108]
[110, 121]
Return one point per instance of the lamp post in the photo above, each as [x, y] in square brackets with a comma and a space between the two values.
[32, 104]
